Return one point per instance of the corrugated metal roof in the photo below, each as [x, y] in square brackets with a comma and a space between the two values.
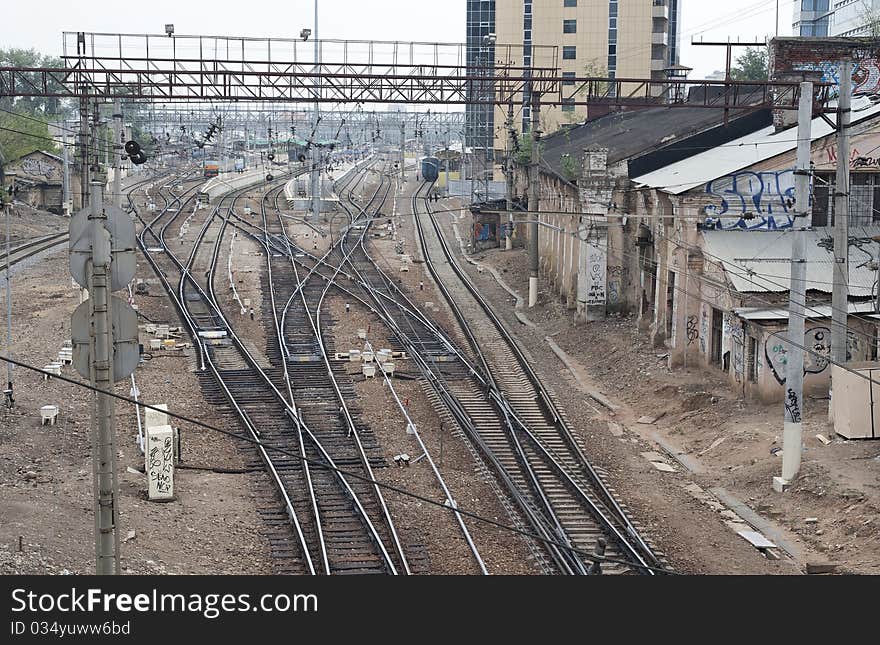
[812, 312]
[627, 134]
[741, 153]
[760, 261]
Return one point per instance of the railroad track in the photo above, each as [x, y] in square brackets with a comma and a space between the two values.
[334, 530]
[302, 401]
[525, 430]
[31, 248]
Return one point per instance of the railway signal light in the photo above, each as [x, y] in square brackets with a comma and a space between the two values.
[135, 153]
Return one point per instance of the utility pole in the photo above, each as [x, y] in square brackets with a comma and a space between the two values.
[508, 241]
[403, 147]
[794, 370]
[9, 399]
[533, 199]
[106, 534]
[316, 152]
[66, 206]
[117, 153]
[84, 150]
[840, 289]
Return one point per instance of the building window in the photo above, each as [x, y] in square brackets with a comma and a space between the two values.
[568, 105]
[569, 52]
[864, 199]
[570, 3]
[569, 26]
[568, 75]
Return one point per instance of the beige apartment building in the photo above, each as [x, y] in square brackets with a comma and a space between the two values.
[615, 38]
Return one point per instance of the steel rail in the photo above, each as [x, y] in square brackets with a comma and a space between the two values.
[640, 551]
[255, 434]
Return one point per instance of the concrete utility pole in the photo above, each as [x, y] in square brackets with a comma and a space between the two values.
[316, 152]
[840, 290]
[794, 369]
[84, 150]
[403, 148]
[533, 199]
[106, 535]
[117, 153]
[8, 392]
[66, 206]
[508, 240]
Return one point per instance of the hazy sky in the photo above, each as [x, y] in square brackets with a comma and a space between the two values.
[40, 25]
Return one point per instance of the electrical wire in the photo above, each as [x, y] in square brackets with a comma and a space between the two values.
[320, 464]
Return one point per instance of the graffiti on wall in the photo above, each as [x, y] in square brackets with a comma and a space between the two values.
[766, 196]
[733, 341]
[596, 269]
[484, 232]
[704, 329]
[866, 73]
[615, 275]
[817, 339]
[857, 161]
[693, 331]
[38, 168]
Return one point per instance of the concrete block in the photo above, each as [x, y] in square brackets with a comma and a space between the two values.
[159, 457]
[821, 567]
[48, 414]
[781, 485]
[153, 418]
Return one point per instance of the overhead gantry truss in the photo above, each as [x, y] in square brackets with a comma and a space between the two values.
[212, 68]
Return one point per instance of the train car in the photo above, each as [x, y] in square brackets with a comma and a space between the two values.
[212, 168]
[430, 168]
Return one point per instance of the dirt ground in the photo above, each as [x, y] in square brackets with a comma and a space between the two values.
[46, 504]
[46, 516]
[830, 515]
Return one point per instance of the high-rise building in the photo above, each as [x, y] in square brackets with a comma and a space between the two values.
[614, 38]
[479, 119]
[835, 17]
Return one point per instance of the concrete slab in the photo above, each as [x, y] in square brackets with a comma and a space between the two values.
[687, 462]
[652, 456]
[615, 429]
[756, 539]
[663, 467]
[580, 375]
[770, 529]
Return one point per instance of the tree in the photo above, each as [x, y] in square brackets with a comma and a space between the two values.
[570, 168]
[20, 134]
[23, 120]
[31, 105]
[751, 66]
[870, 17]
[522, 154]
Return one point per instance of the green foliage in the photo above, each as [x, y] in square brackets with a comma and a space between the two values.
[751, 66]
[29, 135]
[571, 170]
[523, 155]
[27, 116]
[31, 105]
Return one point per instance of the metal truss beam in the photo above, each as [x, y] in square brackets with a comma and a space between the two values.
[223, 69]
